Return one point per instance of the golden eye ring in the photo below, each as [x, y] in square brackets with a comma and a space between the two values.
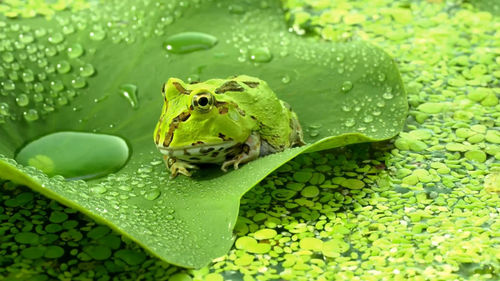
[203, 102]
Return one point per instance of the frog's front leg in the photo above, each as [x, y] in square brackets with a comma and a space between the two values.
[251, 151]
[176, 166]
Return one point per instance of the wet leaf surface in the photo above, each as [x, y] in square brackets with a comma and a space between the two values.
[103, 73]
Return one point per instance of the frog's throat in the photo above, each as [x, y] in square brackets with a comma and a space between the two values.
[203, 153]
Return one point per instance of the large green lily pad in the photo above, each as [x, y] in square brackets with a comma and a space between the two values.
[343, 93]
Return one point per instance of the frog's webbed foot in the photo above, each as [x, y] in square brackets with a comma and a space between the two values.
[251, 151]
[176, 166]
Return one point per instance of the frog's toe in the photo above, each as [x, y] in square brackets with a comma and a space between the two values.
[235, 162]
[227, 164]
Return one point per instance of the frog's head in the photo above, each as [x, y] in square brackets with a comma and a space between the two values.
[196, 115]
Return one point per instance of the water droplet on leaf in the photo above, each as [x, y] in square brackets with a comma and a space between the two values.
[22, 100]
[261, 54]
[75, 51]
[350, 122]
[346, 86]
[152, 195]
[63, 67]
[56, 38]
[188, 42]
[75, 155]
[129, 91]
[87, 70]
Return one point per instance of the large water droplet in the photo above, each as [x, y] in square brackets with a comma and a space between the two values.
[261, 54]
[187, 42]
[129, 91]
[75, 155]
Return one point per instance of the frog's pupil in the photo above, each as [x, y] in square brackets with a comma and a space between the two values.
[203, 101]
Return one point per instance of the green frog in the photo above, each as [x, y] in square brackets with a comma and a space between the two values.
[222, 121]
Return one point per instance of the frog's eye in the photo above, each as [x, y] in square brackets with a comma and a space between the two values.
[203, 102]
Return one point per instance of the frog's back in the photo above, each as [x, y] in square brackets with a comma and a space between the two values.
[277, 124]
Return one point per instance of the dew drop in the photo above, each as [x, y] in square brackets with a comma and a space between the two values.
[38, 87]
[28, 76]
[97, 34]
[346, 108]
[50, 51]
[40, 32]
[236, 9]
[56, 85]
[75, 51]
[62, 101]
[285, 79]
[387, 95]
[87, 70]
[346, 86]
[125, 187]
[78, 82]
[31, 115]
[9, 85]
[22, 100]
[152, 195]
[381, 77]
[37, 97]
[56, 38]
[8, 57]
[63, 67]
[98, 189]
[350, 122]
[368, 119]
[4, 109]
[381, 103]
[68, 29]
[26, 38]
[129, 91]
[75, 155]
[187, 42]
[314, 134]
[261, 54]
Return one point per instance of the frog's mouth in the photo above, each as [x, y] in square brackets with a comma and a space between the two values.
[201, 152]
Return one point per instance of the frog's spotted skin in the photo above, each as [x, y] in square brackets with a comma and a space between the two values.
[222, 121]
